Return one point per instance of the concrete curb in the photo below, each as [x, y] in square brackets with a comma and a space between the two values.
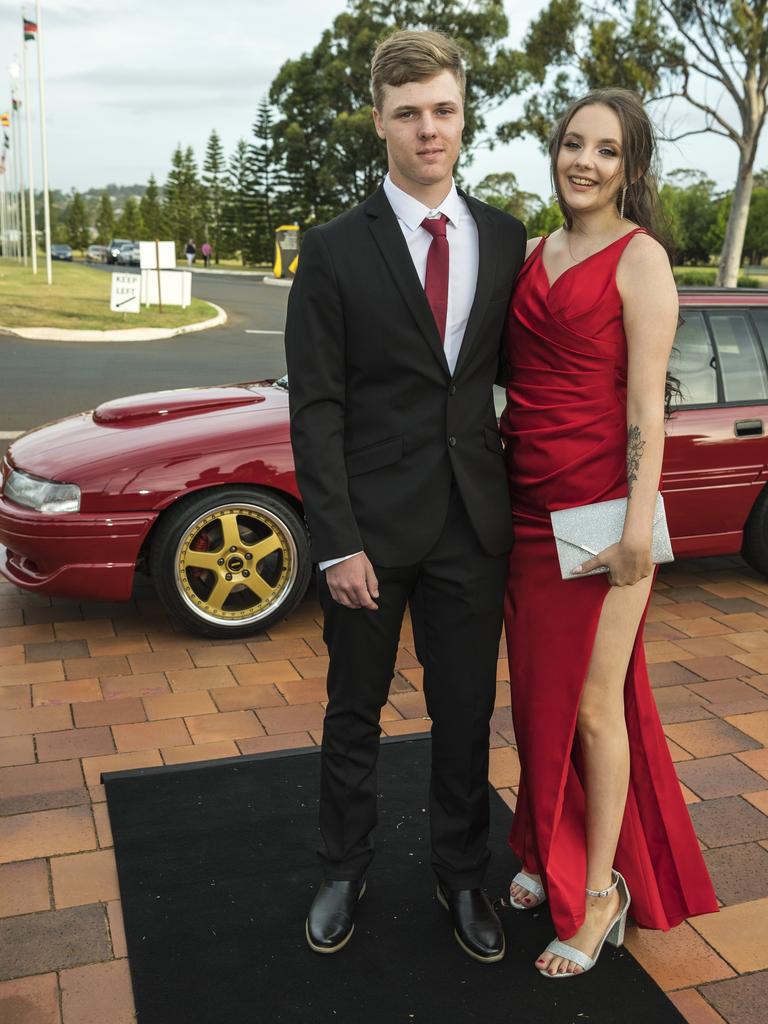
[280, 281]
[130, 334]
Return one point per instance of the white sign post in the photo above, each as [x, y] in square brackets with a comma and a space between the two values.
[126, 293]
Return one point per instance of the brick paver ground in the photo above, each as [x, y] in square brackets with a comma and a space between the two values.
[86, 688]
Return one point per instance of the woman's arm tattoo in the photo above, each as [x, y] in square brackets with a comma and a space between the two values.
[635, 447]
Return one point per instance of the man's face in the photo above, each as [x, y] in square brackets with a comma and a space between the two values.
[422, 123]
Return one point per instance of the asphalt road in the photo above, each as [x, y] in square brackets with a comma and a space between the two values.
[45, 380]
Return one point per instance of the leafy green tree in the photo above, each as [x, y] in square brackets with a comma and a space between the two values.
[690, 206]
[77, 223]
[324, 132]
[756, 238]
[150, 209]
[105, 220]
[761, 178]
[664, 49]
[545, 219]
[129, 223]
[214, 187]
[501, 190]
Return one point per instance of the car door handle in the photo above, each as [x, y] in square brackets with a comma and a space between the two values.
[748, 428]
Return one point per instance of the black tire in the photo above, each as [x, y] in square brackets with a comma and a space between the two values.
[251, 551]
[754, 547]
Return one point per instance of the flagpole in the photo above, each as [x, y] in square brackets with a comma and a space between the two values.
[2, 210]
[30, 165]
[44, 145]
[14, 72]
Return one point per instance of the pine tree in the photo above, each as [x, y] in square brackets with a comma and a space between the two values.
[182, 199]
[105, 220]
[214, 170]
[242, 202]
[76, 220]
[129, 224]
[268, 178]
[151, 210]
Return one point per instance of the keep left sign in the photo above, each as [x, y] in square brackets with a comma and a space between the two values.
[126, 293]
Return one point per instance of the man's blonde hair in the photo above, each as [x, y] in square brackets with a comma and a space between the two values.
[411, 56]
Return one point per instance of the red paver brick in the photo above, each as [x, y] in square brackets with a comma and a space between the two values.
[745, 622]
[221, 654]
[26, 635]
[739, 934]
[712, 646]
[179, 705]
[13, 655]
[694, 1007]
[758, 800]
[94, 766]
[265, 672]
[119, 687]
[721, 691]
[304, 692]
[160, 661]
[759, 682]
[658, 631]
[109, 712]
[670, 673]
[228, 725]
[98, 993]
[410, 705]
[35, 720]
[504, 768]
[677, 958]
[36, 672]
[69, 691]
[216, 677]
[46, 833]
[86, 629]
[757, 760]
[712, 777]
[103, 825]
[17, 750]
[110, 646]
[56, 650]
[117, 928]
[708, 738]
[170, 732]
[702, 627]
[739, 873]
[30, 1000]
[58, 746]
[282, 650]
[665, 650]
[741, 1000]
[24, 888]
[37, 787]
[200, 752]
[676, 697]
[676, 752]
[311, 668]
[285, 741]
[80, 668]
[718, 668]
[728, 820]
[754, 641]
[405, 727]
[12, 698]
[687, 610]
[239, 698]
[754, 725]
[84, 878]
[299, 718]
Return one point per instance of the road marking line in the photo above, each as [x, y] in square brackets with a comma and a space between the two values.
[8, 435]
[265, 332]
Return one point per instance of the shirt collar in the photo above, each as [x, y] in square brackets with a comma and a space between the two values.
[412, 211]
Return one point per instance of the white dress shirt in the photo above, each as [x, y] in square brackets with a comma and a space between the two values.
[464, 257]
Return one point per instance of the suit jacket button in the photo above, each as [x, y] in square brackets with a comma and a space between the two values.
[452, 441]
[452, 389]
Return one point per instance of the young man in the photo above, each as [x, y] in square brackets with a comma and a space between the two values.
[393, 342]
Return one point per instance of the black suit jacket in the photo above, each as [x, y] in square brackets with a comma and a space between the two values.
[379, 425]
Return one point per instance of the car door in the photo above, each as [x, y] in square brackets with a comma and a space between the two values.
[716, 448]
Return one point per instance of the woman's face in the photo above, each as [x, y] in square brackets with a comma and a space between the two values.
[590, 160]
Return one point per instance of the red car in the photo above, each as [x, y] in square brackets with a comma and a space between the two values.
[197, 486]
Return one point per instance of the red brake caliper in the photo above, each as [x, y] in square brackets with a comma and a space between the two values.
[200, 543]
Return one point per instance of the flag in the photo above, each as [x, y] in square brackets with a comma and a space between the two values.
[30, 29]
[6, 141]
[5, 121]
[16, 103]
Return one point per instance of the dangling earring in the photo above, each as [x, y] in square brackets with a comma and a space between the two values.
[623, 197]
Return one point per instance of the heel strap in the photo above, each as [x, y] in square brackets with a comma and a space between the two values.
[603, 892]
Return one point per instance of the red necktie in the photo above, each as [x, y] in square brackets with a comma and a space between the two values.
[436, 280]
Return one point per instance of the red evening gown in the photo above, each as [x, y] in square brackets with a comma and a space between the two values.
[565, 430]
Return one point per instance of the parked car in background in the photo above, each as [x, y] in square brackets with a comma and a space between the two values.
[196, 486]
[128, 255]
[113, 249]
[96, 254]
[61, 251]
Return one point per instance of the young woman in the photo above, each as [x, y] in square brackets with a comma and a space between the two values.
[599, 814]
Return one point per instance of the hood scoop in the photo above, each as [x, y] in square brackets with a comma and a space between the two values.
[161, 405]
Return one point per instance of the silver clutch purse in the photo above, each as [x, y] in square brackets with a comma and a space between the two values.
[585, 531]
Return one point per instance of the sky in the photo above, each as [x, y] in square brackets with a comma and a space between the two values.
[126, 82]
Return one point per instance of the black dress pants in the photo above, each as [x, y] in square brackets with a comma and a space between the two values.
[456, 596]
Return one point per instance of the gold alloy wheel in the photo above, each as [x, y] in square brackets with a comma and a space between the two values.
[235, 563]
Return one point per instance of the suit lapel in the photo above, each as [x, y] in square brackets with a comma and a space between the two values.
[486, 274]
[394, 248]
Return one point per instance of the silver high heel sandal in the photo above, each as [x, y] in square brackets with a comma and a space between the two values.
[614, 933]
[534, 888]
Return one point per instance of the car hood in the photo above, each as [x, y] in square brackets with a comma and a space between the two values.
[134, 431]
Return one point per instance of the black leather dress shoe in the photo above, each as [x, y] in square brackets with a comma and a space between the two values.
[475, 923]
[331, 918]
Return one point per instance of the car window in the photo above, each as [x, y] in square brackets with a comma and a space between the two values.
[741, 362]
[760, 320]
[692, 360]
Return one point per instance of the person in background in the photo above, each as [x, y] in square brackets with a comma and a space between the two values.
[206, 251]
[190, 251]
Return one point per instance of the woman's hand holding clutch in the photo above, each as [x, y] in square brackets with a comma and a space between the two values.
[627, 563]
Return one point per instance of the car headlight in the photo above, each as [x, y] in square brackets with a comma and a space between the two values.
[41, 495]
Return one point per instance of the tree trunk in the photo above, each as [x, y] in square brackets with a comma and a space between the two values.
[733, 243]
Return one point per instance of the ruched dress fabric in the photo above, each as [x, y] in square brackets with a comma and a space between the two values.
[565, 432]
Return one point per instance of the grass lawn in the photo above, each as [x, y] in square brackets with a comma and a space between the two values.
[78, 299]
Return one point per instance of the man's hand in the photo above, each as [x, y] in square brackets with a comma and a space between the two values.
[353, 582]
